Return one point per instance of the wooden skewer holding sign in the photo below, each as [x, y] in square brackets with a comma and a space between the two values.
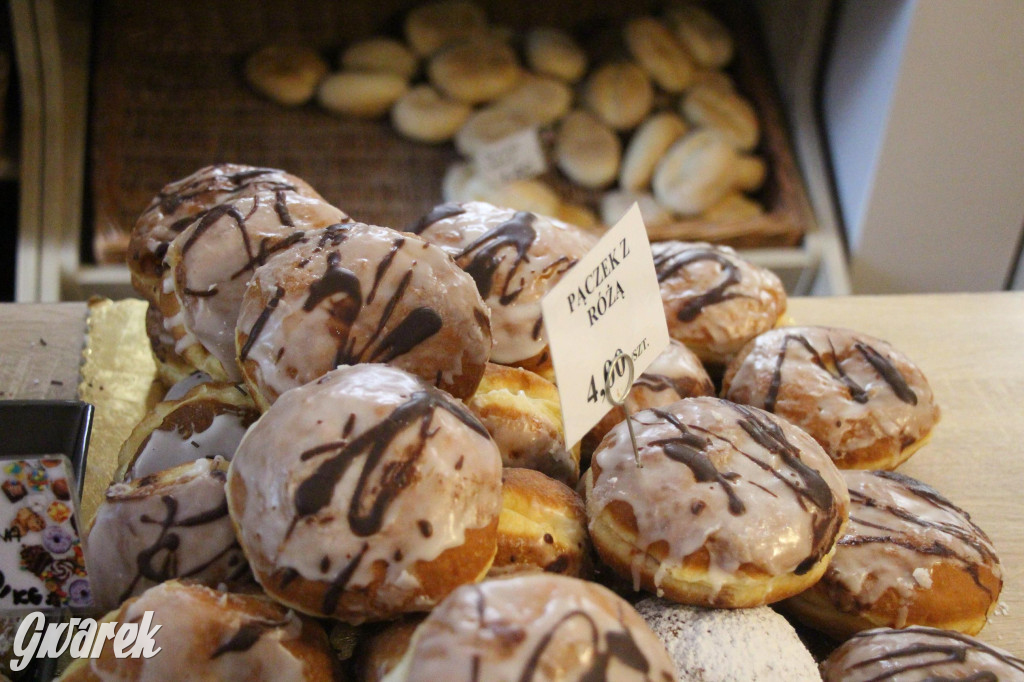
[609, 377]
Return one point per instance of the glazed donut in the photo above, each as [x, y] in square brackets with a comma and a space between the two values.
[515, 258]
[715, 301]
[360, 293]
[868, 405]
[675, 374]
[336, 494]
[173, 524]
[729, 645]
[206, 634]
[522, 412]
[210, 262]
[174, 207]
[909, 557]
[732, 506]
[171, 368]
[919, 653]
[208, 421]
[542, 527]
[538, 627]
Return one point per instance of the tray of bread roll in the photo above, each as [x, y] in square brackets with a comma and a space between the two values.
[671, 106]
[356, 468]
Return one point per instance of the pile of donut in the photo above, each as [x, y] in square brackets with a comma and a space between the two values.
[648, 116]
[359, 470]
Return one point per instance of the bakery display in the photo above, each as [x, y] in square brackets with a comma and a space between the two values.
[542, 527]
[164, 526]
[908, 556]
[534, 627]
[715, 301]
[369, 494]
[354, 293]
[730, 506]
[331, 493]
[179, 203]
[205, 634]
[919, 653]
[867, 403]
[515, 257]
[761, 644]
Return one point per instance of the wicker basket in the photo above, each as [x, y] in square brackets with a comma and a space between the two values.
[168, 98]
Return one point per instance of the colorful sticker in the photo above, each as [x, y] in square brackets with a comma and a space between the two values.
[42, 563]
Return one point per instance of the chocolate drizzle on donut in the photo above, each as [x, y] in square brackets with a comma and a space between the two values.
[617, 645]
[769, 436]
[688, 448]
[481, 258]
[968, 533]
[666, 265]
[342, 288]
[246, 636]
[831, 365]
[168, 542]
[386, 471]
[436, 214]
[261, 321]
[896, 662]
[834, 368]
[888, 372]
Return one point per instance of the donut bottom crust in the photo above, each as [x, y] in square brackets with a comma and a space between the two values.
[455, 566]
[613, 533]
[882, 455]
[953, 602]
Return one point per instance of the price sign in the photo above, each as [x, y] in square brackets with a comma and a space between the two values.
[513, 157]
[607, 306]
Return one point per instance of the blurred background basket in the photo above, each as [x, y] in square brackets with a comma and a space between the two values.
[168, 97]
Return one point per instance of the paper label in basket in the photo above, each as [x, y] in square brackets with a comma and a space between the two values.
[608, 302]
[513, 157]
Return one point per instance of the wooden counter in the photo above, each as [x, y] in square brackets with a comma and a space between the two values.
[970, 346]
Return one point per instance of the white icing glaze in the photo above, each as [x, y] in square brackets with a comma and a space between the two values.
[165, 449]
[776, 529]
[130, 542]
[690, 272]
[515, 323]
[186, 622]
[813, 394]
[729, 645]
[455, 465]
[919, 653]
[907, 515]
[534, 627]
[167, 214]
[178, 390]
[294, 346]
[211, 262]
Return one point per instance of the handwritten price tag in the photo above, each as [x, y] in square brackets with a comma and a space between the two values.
[608, 303]
[513, 157]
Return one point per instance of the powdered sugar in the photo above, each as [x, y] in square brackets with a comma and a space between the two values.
[729, 645]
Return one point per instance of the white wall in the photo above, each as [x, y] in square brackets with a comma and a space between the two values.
[923, 104]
